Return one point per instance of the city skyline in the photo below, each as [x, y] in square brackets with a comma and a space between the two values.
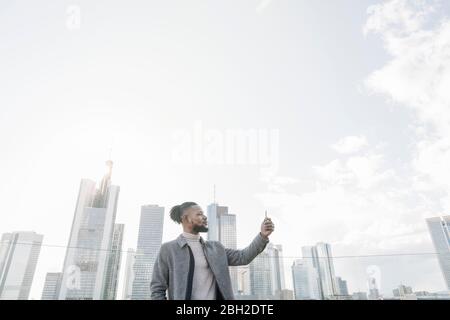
[315, 267]
[266, 273]
[332, 116]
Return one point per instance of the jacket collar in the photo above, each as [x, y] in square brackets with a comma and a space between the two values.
[182, 241]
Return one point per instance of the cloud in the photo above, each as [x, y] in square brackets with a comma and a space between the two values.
[363, 171]
[360, 201]
[263, 4]
[398, 18]
[350, 144]
[418, 77]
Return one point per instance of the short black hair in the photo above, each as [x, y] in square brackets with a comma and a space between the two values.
[177, 211]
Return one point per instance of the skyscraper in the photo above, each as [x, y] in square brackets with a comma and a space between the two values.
[19, 252]
[112, 272]
[261, 276]
[129, 275]
[326, 269]
[85, 273]
[215, 212]
[276, 268]
[52, 286]
[149, 243]
[311, 261]
[267, 273]
[439, 228]
[222, 227]
[341, 286]
[301, 280]
[320, 266]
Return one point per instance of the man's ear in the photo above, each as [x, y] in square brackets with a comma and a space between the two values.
[186, 218]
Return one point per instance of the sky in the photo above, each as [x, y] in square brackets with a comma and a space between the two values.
[345, 103]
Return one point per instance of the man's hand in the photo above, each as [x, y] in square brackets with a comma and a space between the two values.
[267, 228]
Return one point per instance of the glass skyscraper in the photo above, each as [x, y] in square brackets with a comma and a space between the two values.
[52, 286]
[300, 278]
[326, 270]
[277, 268]
[112, 272]
[149, 243]
[267, 273]
[222, 227]
[439, 228]
[261, 285]
[129, 275]
[341, 286]
[19, 253]
[85, 273]
[321, 271]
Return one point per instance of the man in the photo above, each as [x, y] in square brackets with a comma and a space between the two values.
[190, 268]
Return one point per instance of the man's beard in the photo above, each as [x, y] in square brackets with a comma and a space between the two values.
[201, 228]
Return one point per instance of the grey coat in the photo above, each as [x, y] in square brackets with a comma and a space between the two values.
[171, 268]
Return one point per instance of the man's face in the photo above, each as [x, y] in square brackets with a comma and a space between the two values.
[194, 215]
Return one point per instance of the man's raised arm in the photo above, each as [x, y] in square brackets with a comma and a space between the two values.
[245, 256]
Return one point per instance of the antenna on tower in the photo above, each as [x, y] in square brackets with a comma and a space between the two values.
[110, 150]
[214, 193]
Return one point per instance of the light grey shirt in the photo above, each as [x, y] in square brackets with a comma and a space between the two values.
[203, 283]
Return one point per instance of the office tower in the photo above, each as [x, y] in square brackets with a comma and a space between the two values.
[149, 243]
[301, 280]
[439, 228]
[129, 275]
[222, 227]
[341, 286]
[267, 273]
[88, 254]
[19, 252]
[311, 261]
[214, 213]
[326, 269]
[112, 272]
[261, 276]
[320, 266]
[51, 286]
[277, 268]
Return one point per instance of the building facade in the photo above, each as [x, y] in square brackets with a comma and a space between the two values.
[149, 242]
[85, 272]
[439, 228]
[19, 253]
